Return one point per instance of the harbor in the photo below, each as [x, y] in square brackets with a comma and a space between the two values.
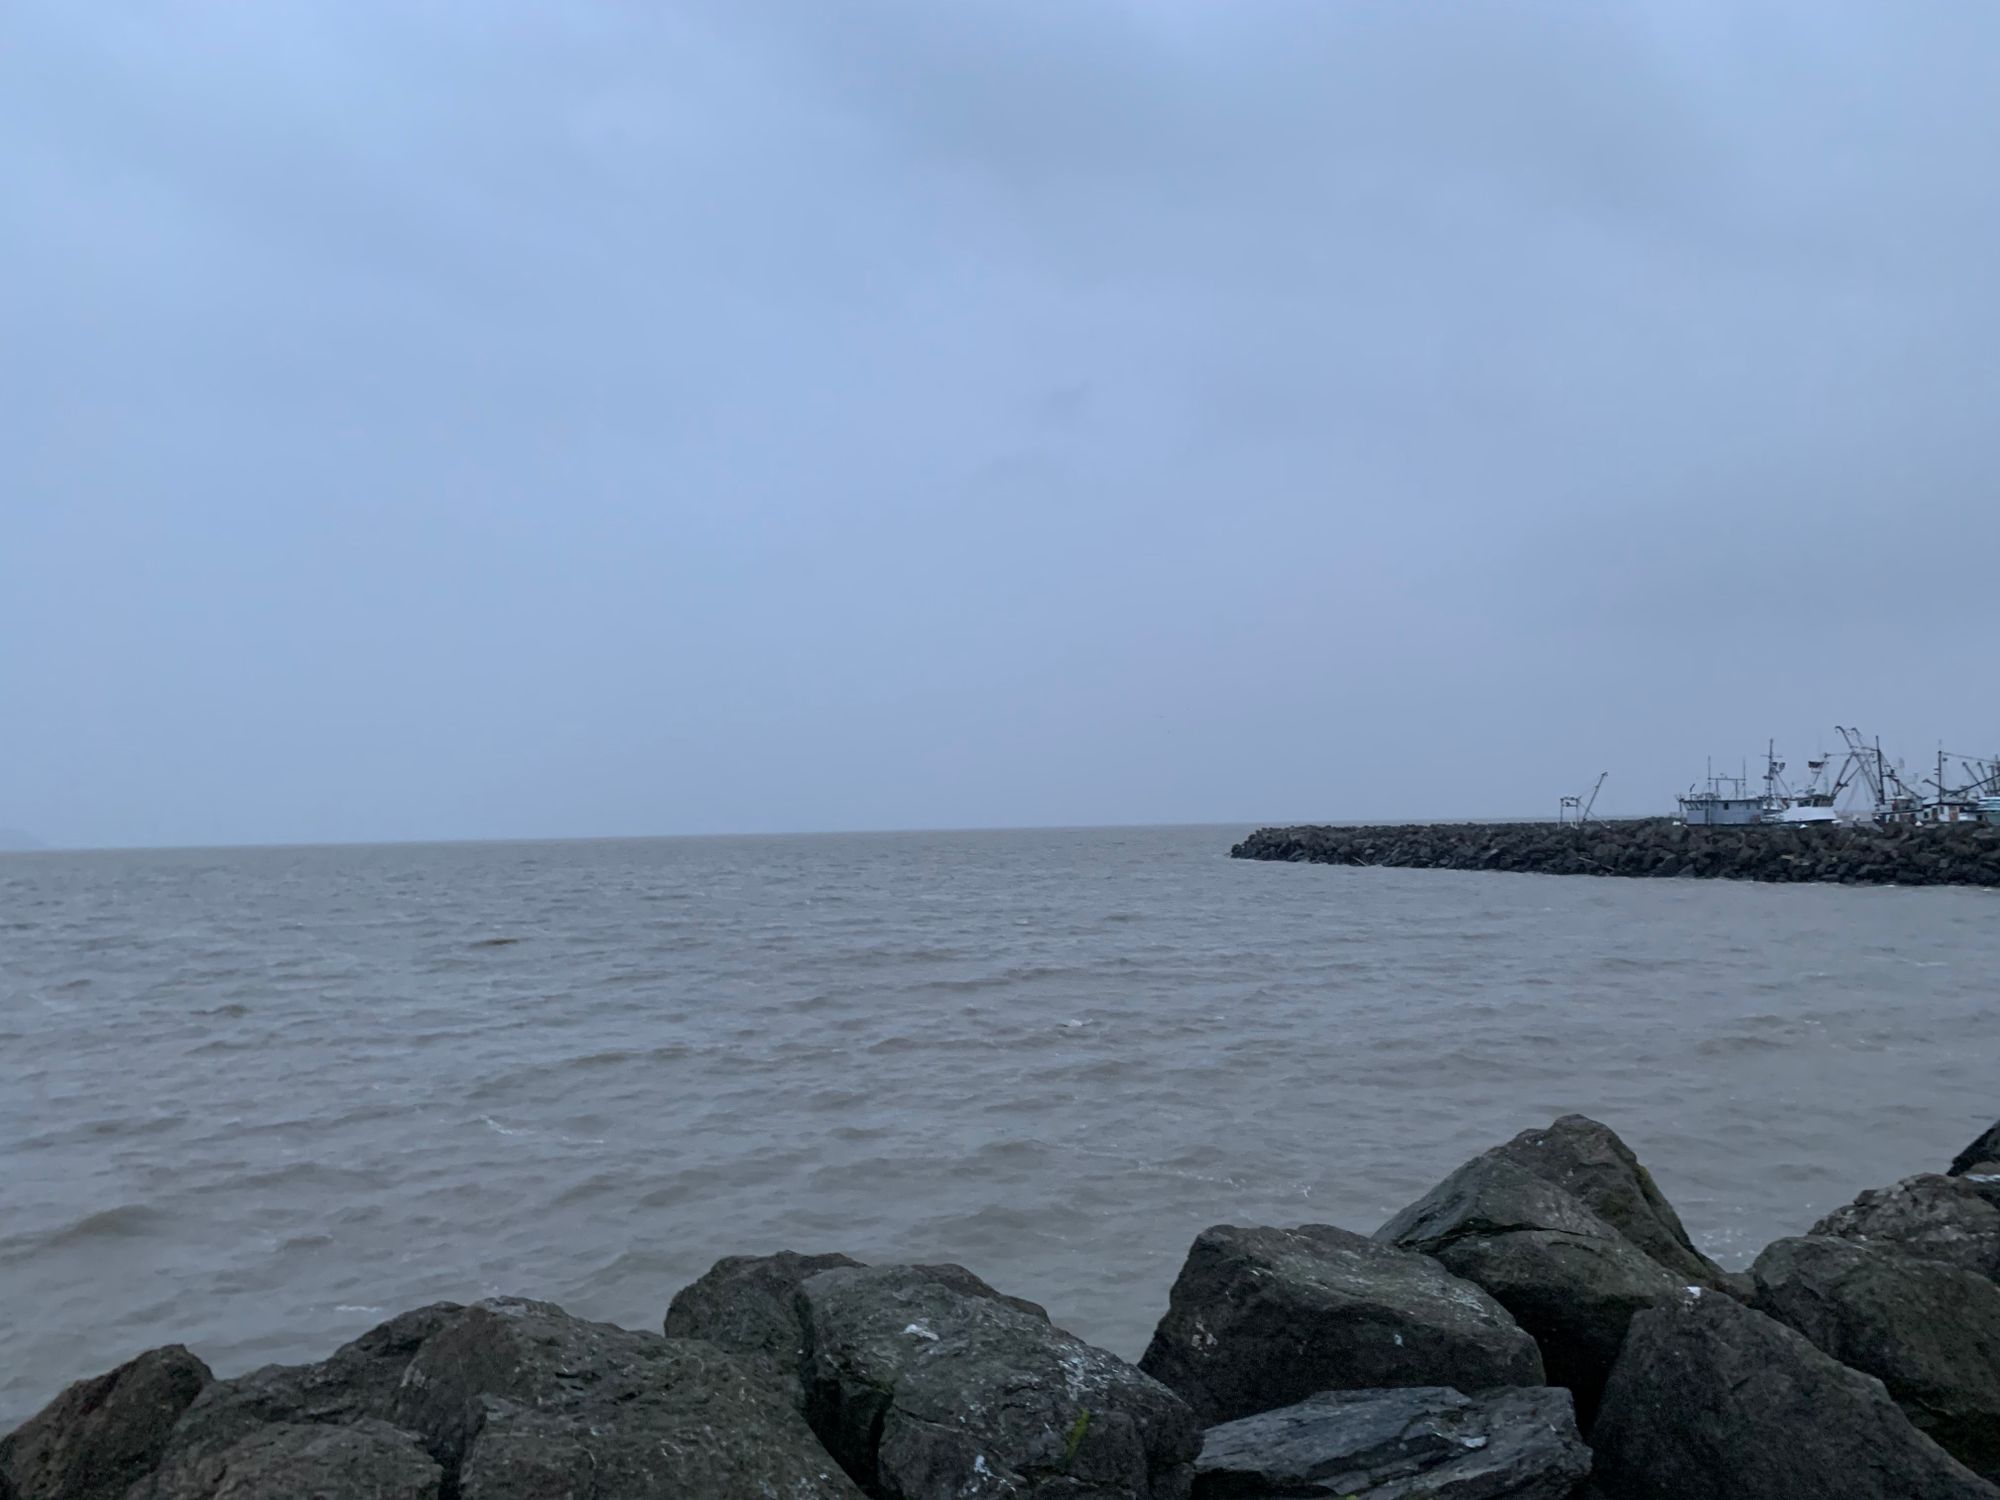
[1854, 818]
[1861, 786]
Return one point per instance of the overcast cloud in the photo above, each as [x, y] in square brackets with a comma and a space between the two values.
[490, 419]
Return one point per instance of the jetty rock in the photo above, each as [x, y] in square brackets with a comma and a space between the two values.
[1927, 1329]
[1587, 1160]
[287, 1459]
[1539, 1326]
[357, 1385]
[926, 1391]
[1565, 1272]
[747, 1305]
[520, 1400]
[1981, 1158]
[1945, 854]
[102, 1435]
[926, 1383]
[1262, 1318]
[1712, 1400]
[1954, 1219]
[503, 1400]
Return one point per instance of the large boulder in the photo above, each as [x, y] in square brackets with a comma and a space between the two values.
[358, 1383]
[747, 1305]
[1566, 1275]
[1955, 1219]
[1981, 1157]
[1414, 1443]
[925, 1391]
[517, 1400]
[1262, 1318]
[368, 1460]
[1588, 1161]
[102, 1435]
[1712, 1400]
[1928, 1330]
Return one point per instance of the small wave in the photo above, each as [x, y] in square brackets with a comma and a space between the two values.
[127, 1221]
[1109, 1070]
[234, 1010]
[597, 1185]
[1021, 974]
[612, 1057]
[292, 1173]
[495, 942]
[1731, 1046]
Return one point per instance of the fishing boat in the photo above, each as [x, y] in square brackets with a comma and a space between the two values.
[1892, 796]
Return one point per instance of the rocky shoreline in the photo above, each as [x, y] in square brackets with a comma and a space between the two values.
[1539, 1326]
[1946, 854]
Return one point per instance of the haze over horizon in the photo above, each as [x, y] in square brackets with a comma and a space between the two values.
[508, 421]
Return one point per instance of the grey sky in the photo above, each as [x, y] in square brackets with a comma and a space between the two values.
[484, 419]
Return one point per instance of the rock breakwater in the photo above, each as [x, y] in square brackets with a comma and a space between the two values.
[1539, 1326]
[1946, 854]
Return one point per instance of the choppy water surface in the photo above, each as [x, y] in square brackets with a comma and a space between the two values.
[253, 1100]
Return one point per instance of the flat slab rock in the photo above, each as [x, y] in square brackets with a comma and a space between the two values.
[1413, 1443]
[1261, 1318]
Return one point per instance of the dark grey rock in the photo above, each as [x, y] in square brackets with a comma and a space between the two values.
[1261, 1318]
[747, 1305]
[1588, 1161]
[1955, 1219]
[1983, 1153]
[368, 1460]
[1928, 1330]
[962, 1281]
[359, 1382]
[519, 1401]
[1712, 1400]
[924, 1392]
[102, 1435]
[1415, 1443]
[1566, 1275]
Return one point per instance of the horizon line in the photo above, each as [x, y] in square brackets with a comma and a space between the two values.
[1249, 825]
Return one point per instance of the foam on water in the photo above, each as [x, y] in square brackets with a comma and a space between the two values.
[250, 1100]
